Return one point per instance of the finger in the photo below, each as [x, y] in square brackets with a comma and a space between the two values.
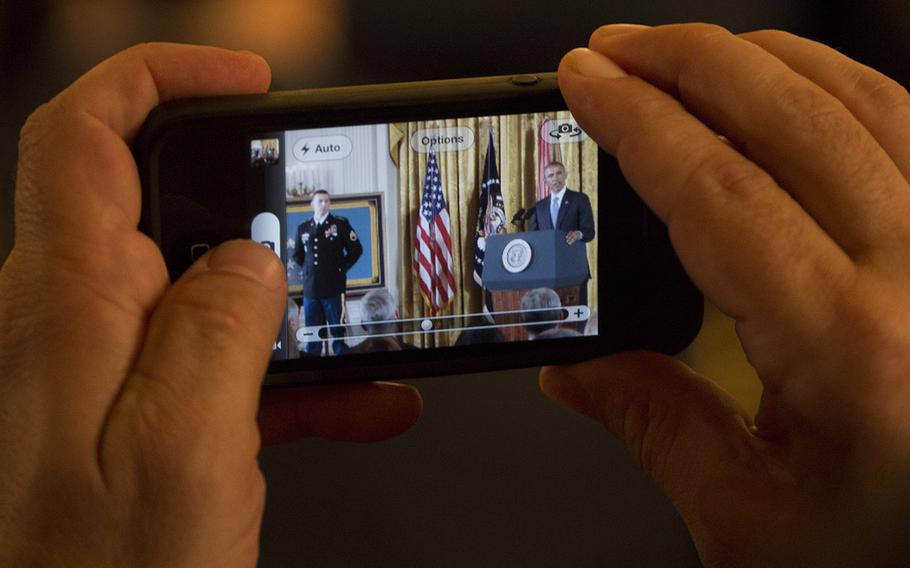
[664, 412]
[121, 91]
[73, 194]
[742, 239]
[352, 413]
[795, 130]
[690, 437]
[698, 445]
[78, 200]
[881, 104]
[198, 376]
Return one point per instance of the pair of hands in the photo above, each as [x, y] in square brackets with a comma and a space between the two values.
[128, 426]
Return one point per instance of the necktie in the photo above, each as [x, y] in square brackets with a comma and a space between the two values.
[554, 210]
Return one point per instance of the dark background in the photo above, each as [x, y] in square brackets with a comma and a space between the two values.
[494, 474]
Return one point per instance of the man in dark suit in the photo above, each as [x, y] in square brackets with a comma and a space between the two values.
[564, 210]
[326, 247]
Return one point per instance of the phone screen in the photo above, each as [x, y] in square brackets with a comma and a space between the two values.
[430, 234]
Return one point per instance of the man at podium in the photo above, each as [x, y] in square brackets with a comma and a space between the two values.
[564, 209]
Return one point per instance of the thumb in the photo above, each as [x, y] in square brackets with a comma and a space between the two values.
[179, 450]
[685, 432]
[206, 351]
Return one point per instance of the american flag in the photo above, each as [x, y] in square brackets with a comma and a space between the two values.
[433, 246]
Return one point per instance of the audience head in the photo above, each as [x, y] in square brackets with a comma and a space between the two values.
[557, 332]
[378, 306]
[480, 336]
[534, 315]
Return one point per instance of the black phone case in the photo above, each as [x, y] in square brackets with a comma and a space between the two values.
[646, 301]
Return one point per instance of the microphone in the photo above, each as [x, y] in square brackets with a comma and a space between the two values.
[519, 217]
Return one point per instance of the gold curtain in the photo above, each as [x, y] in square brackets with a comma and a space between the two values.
[515, 139]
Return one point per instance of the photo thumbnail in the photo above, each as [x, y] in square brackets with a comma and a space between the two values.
[264, 152]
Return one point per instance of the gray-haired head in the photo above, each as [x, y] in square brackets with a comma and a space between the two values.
[378, 306]
[534, 313]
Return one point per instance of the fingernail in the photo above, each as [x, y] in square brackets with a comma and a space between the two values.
[588, 63]
[563, 388]
[249, 53]
[247, 258]
[617, 29]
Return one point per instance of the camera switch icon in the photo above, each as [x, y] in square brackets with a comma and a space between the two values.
[266, 229]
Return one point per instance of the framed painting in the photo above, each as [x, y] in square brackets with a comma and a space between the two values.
[364, 212]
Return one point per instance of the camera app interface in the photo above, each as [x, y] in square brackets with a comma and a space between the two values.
[431, 233]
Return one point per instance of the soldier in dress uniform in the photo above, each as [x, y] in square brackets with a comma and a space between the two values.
[326, 248]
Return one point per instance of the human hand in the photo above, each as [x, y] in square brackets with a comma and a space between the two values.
[127, 406]
[798, 226]
[573, 236]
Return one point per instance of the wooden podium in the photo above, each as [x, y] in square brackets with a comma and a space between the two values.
[517, 262]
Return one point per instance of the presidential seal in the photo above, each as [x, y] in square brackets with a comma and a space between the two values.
[516, 256]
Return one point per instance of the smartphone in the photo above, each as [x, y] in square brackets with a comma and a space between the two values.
[427, 228]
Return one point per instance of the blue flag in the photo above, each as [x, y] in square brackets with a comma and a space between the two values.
[491, 215]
